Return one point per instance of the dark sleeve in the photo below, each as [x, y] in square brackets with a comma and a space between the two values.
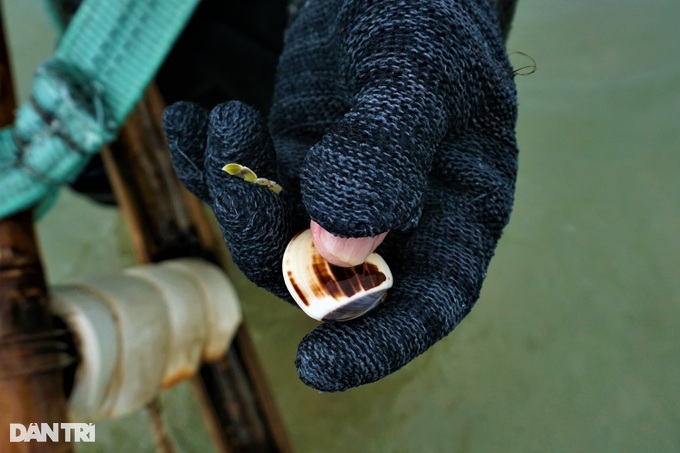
[229, 50]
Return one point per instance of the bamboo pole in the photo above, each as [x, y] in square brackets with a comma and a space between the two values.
[32, 352]
[167, 222]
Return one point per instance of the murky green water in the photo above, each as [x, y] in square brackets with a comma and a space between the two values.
[575, 343]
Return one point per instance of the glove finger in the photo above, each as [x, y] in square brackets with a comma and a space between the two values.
[186, 127]
[255, 221]
[412, 74]
[440, 270]
[237, 134]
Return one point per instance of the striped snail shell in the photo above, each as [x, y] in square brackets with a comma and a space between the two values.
[333, 293]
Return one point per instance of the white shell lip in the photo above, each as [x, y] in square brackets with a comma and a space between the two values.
[331, 293]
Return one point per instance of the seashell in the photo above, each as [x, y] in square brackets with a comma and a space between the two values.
[333, 293]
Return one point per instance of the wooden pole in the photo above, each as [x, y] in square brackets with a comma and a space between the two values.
[167, 222]
[32, 352]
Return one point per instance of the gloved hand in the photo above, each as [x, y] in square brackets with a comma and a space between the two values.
[388, 116]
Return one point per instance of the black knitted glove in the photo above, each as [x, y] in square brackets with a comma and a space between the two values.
[388, 116]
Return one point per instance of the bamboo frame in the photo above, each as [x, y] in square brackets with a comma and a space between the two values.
[167, 222]
[33, 353]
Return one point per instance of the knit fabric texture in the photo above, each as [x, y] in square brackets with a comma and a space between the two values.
[387, 115]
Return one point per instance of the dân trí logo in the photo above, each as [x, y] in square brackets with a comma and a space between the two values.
[56, 432]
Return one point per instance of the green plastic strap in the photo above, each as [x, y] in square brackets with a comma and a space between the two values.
[110, 52]
[120, 44]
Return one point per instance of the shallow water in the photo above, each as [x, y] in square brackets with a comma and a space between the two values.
[575, 342]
